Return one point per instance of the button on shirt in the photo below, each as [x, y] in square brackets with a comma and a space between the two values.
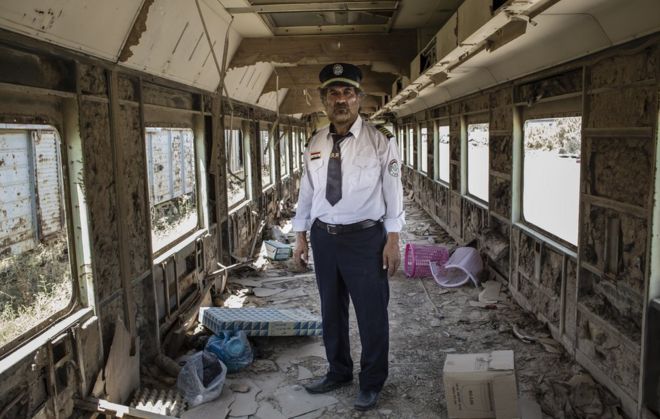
[371, 180]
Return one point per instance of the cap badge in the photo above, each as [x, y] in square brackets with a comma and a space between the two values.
[337, 69]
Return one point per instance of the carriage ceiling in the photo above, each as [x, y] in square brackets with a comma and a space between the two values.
[273, 49]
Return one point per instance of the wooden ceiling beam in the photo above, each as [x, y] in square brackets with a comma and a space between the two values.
[396, 49]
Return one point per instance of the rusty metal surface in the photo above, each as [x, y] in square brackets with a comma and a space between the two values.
[16, 221]
[171, 163]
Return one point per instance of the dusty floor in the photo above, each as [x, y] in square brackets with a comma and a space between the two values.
[427, 322]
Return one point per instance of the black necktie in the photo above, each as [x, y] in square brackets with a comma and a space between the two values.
[333, 183]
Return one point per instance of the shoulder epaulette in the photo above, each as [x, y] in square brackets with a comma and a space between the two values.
[385, 131]
[310, 138]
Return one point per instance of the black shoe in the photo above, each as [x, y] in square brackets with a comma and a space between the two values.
[325, 384]
[366, 400]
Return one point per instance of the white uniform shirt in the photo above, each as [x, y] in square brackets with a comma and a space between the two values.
[371, 180]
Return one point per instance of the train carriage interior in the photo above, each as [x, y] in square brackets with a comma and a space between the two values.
[151, 154]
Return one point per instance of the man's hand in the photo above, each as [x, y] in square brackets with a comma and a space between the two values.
[301, 250]
[391, 254]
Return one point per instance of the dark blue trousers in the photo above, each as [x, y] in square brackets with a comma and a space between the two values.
[346, 265]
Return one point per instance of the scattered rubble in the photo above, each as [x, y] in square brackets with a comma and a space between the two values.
[427, 322]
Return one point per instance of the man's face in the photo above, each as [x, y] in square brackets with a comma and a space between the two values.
[342, 104]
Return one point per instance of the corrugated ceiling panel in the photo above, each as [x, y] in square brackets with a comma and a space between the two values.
[267, 100]
[246, 83]
[96, 27]
[174, 45]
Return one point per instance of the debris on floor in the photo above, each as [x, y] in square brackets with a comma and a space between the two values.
[428, 324]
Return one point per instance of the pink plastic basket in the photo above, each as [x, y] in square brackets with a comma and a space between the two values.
[418, 256]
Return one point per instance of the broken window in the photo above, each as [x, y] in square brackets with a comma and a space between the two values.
[551, 175]
[409, 144]
[296, 148]
[477, 160]
[424, 150]
[172, 176]
[35, 270]
[267, 156]
[235, 150]
[443, 153]
[400, 138]
[284, 151]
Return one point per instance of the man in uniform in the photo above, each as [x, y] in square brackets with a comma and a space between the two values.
[351, 201]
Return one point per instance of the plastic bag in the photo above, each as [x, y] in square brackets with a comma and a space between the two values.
[233, 348]
[201, 378]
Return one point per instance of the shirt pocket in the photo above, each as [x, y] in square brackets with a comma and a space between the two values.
[369, 173]
[316, 173]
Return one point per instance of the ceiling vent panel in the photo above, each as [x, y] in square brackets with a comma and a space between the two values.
[175, 47]
[94, 27]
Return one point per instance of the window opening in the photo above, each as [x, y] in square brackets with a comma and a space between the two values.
[35, 270]
[477, 156]
[409, 144]
[443, 153]
[236, 167]
[266, 157]
[284, 151]
[172, 184]
[551, 175]
[296, 148]
[424, 150]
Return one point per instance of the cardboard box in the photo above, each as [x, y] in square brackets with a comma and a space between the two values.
[277, 251]
[481, 385]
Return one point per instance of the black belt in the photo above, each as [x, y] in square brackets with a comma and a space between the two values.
[345, 228]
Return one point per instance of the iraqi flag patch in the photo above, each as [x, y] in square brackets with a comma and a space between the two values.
[315, 155]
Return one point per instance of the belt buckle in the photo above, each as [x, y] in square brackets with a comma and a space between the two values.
[331, 229]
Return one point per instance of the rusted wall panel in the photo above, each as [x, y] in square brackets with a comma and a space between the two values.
[618, 361]
[29, 69]
[441, 202]
[551, 271]
[133, 170]
[614, 302]
[526, 255]
[474, 220]
[101, 198]
[92, 80]
[621, 169]
[109, 313]
[570, 307]
[455, 138]
[163, 96]
[500, 196]
[476, 104]
[623, 108]
[556, 85]
[625, 69]
[128, 87]
[630, 262]
[455, 214]
[500, 148]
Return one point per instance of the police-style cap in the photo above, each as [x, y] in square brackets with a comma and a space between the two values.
[341, 74]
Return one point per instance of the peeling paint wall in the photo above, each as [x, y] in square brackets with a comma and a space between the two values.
[592, 296]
